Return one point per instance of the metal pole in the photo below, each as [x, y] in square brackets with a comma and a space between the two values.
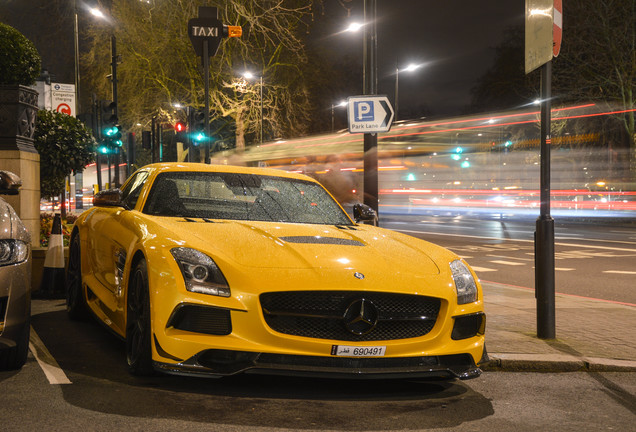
[113, 45]
[153, 136]
[370, 49]
[544, 235]
[397, 77]
[261, 108]
[332, 118]
[77, 71]
[206, 67]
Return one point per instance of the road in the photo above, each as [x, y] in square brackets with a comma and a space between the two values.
[591, 260]
[86, 387]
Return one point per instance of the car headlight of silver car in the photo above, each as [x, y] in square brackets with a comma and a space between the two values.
[465, 284]
[200, 272]
[13, 252]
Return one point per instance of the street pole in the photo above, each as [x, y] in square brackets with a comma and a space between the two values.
[261, 108]
[397, 77]
[370, 83]
[113, 45]
[206, 67]
[544, 234]
[77, 71]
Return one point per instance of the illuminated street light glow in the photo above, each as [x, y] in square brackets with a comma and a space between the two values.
[98, 13]
[354, 27]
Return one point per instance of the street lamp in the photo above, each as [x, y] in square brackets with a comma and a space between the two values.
[248, 75]
[340, 104]
[99, 14]
[410, 68]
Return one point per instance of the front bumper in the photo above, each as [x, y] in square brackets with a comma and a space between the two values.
[220, 363]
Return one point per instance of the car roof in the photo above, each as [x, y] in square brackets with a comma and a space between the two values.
[199, 167]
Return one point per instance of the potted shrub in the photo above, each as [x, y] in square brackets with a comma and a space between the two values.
[19, 68]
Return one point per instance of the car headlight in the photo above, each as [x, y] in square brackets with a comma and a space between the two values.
[200, 272]
[464, 282]
[13, 252]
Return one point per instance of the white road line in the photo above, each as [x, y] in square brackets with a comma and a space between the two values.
[482, 269]
[510, 257]
[528, 241]
[620, 272]
[510, 263]
[49, 366]
[563, 269]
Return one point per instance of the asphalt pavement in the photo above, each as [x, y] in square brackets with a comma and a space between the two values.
[591, 334]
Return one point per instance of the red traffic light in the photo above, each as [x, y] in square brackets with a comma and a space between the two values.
[180, 127]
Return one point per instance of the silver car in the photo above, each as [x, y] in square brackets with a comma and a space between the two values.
[15, 280]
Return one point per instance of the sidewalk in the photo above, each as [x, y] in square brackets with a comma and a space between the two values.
[591, 335]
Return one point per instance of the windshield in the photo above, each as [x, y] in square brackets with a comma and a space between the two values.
[242, 197]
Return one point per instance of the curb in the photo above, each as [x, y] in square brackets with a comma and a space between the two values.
[554, 363]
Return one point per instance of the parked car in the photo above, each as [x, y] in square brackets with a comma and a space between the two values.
[15, 280]
[219, 270]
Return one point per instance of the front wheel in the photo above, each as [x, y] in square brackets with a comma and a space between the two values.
[138, 331]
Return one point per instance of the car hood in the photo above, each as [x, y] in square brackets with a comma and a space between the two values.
[284, 245]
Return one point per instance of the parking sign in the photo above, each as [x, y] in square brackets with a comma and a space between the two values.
[369, 114]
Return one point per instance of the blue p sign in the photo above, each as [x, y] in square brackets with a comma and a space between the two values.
[363, 111]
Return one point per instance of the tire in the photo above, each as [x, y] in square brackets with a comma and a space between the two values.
[15, 357]
[138, 330]
[76, 306]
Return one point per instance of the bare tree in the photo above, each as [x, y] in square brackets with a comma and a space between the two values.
[159, 67]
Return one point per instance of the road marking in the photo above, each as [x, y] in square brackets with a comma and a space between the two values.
[482, 269]
[620, 272]
[510, 257]
[51, 369]
[526, 241]
[563, 269]
[510, 263]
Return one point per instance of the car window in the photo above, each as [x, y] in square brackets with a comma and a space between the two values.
[243, 197]
[132, 189]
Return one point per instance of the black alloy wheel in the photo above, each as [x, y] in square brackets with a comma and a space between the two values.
[75, 302]
[138, 331]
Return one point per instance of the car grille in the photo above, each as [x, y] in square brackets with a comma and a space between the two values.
[328, 314]
[201, 319]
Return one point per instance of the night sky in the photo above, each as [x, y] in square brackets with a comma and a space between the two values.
[454, 39]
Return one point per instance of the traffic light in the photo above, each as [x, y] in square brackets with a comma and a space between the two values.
[108, 119]
[110, 130]
[180, 126]
[197, 131]
[181, 129]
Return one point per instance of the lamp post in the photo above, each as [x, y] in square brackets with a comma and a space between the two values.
[249, 75]
[410, 68]
[340, 104]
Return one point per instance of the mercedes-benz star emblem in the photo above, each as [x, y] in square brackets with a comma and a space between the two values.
[358, 275]
[361, 317]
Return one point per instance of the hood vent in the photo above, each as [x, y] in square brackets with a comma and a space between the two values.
[321, 240]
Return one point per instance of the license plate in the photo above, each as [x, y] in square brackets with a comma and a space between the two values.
[357, 351]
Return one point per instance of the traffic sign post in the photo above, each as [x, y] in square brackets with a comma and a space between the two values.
[206, 32]
[543, 42]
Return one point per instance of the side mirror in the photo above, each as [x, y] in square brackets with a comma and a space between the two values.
[108, 198]
[364, 213]
[9, 183]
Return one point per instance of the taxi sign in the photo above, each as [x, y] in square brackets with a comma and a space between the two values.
[369, 114]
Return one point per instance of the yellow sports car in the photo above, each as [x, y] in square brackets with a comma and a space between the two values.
[219, 270]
